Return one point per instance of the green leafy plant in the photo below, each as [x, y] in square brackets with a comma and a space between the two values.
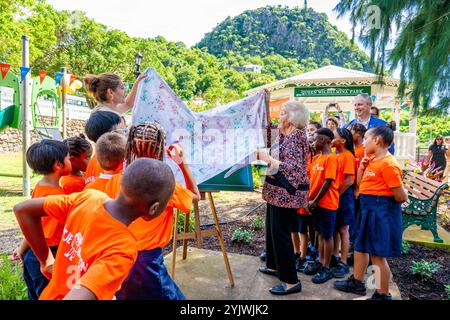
[12, 286]
[242, 236]
[257, 223]
[181, 221]
[425, 269]
[447, 290]
[406, 248]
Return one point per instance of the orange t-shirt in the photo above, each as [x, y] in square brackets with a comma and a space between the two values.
[53, 229]
[157, 233]
[71, 184]
[346, 165]
[112, 187]
[380, 176]
[359, 155]
[324, 167]
[99, 183]
[96, 250]
[93, 169]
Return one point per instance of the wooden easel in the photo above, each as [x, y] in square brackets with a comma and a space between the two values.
[199, 234]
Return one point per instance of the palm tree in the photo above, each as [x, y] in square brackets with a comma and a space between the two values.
[413, 35]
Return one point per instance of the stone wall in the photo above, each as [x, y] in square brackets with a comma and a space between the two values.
[11, 139]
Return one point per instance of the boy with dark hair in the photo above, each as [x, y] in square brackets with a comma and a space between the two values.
[324, 201]
[97, 249]
[51, 159]
[110, 151]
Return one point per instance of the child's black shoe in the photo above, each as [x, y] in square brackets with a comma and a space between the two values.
[312, 267]
[378, 296]
[341, 270]
[323, 275]
[351, 285]
[262, 256]
[300, 264]
[334, 261]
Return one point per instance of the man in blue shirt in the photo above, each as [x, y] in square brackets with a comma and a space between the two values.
[363, 103]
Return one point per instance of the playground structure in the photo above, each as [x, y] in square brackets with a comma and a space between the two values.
[11, 116]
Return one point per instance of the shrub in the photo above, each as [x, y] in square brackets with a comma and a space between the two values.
[257, 223]
[242, 236]
[182, 219]
[12, 286]
[424, 269]
[406, 248]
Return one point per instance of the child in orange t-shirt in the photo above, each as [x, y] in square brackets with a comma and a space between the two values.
[358, 131]
[343, 142]
[97, 249]
[324, 201]
[80, 151]
[99, 123]
[380, 225]
[149, 279]
[50, 158]
[110, 150]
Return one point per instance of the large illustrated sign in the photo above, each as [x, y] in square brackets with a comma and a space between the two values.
[214, 140]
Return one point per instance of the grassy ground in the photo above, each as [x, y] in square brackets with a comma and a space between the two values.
[11, 187]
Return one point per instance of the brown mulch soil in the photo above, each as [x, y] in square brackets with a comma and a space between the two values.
[412, 286]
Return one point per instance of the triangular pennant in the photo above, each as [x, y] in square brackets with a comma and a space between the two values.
[72, 78]
[23, 72]
[58, 77]
[42, 75]
[4, 67]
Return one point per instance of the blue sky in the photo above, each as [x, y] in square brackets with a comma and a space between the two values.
[180, 20]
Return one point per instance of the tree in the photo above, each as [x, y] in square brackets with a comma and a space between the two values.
[412, 35]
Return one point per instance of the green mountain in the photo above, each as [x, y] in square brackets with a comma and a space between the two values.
[300, 34]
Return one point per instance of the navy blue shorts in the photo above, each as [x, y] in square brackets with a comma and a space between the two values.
[345, 214]
[379, 230]
[324, 221]
[297, 224]
[306, 220]
[34, 279]
[353, 229]
[148, 279]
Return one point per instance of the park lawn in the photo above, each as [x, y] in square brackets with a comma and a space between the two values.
[11, 187]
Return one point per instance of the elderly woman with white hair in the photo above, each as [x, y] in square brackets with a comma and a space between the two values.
[285, 190]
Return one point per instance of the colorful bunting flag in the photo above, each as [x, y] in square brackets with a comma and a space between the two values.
[42, 75]
[58, 77]
[4, 67]
[23, 72]
[72, 78]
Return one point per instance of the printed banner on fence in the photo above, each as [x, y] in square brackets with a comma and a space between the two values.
[213, 140]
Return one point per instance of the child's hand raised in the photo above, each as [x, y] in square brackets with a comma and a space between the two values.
[176, 153]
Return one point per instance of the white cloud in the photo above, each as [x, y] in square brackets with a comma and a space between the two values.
[180, 20]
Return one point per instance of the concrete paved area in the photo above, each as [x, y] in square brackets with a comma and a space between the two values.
[416, 235]
[202, 276]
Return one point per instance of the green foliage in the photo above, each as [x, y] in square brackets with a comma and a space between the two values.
[181, 221]
[242, 236]
[447, 290]
[419, 47]
[424, 269]
[12, 286]
[258, 176]
[257, 223]
[406, 248]
[284, 41]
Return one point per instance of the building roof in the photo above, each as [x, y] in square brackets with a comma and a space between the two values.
[326, 76]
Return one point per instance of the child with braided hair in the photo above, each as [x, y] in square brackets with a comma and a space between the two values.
[80, 151]
[149, 279]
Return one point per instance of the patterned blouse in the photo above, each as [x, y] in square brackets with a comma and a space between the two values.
[288, 188]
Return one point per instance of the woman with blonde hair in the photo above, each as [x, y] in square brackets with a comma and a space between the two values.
[285, 190]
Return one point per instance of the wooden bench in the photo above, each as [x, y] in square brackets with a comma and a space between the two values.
[423, 199]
